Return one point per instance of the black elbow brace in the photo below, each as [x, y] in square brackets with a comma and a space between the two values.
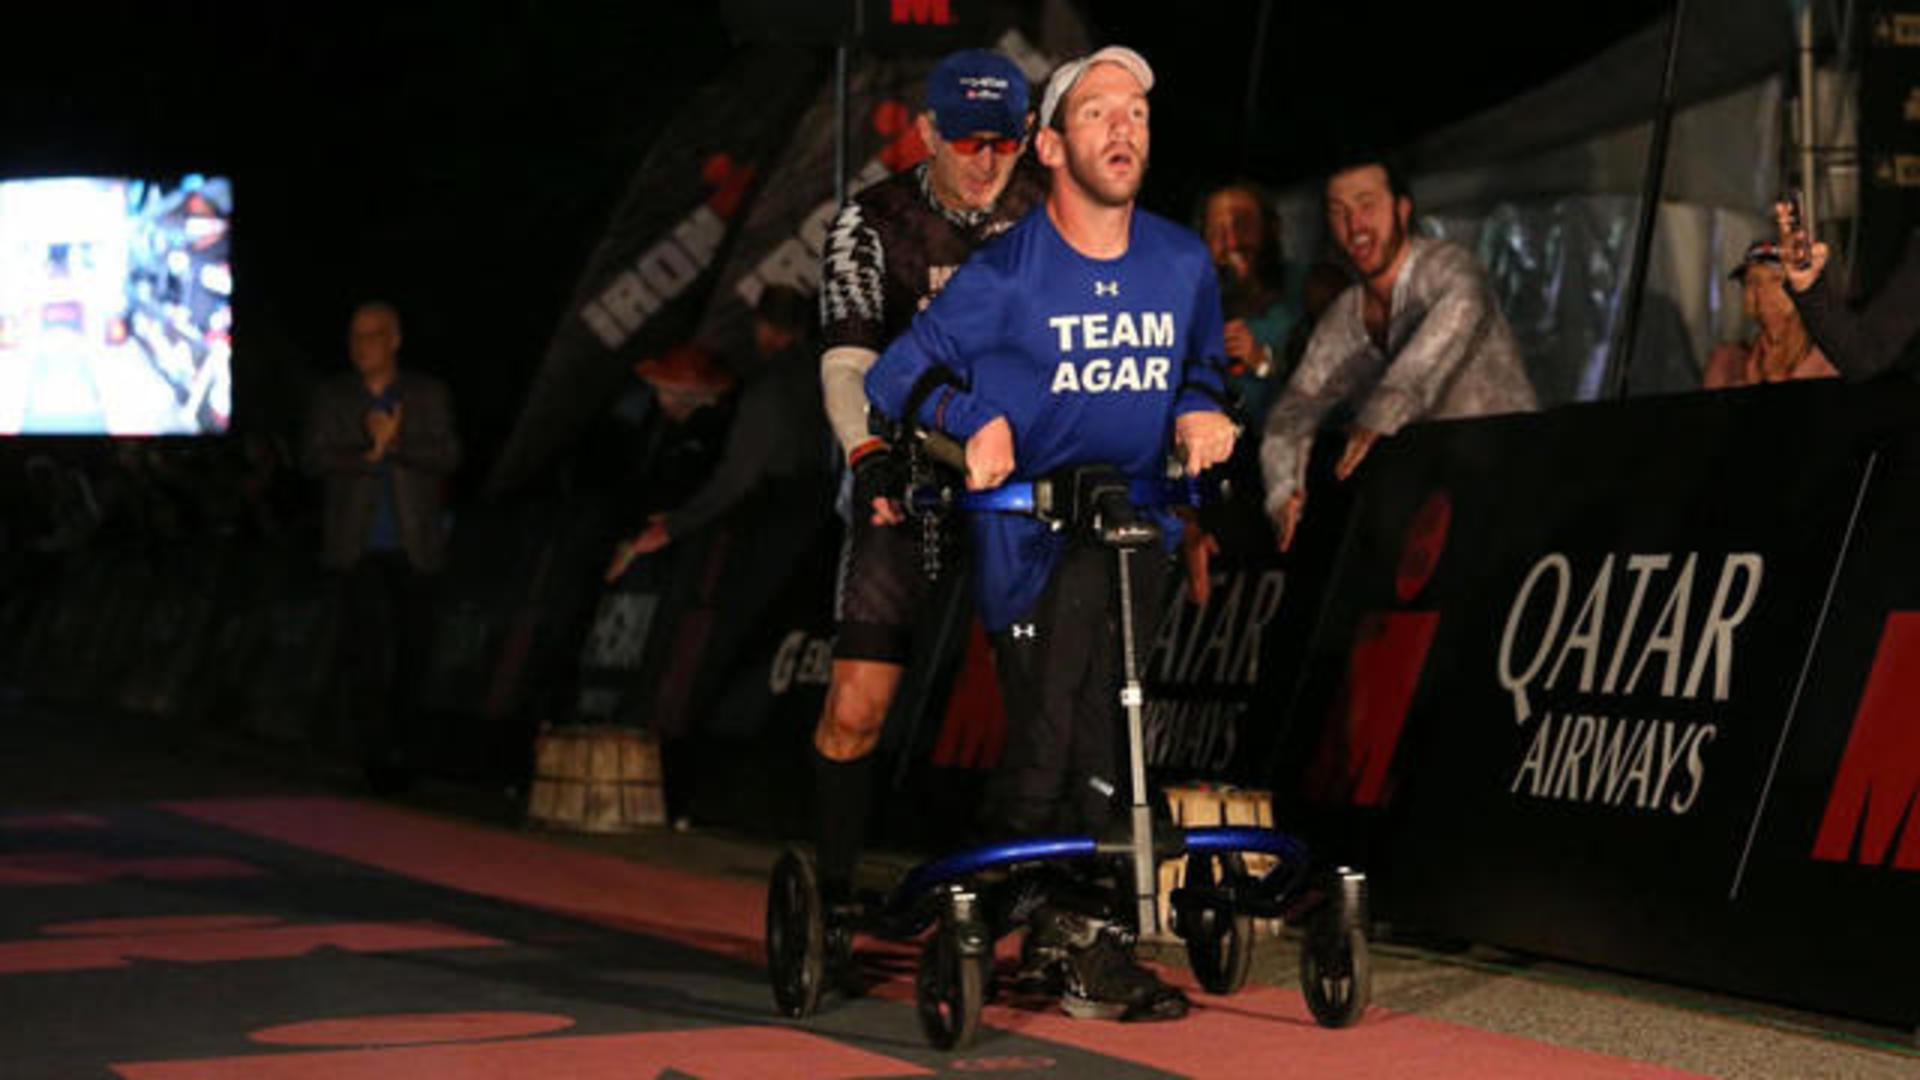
[899, 431]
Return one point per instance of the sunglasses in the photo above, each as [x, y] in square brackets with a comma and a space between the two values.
[969, 145]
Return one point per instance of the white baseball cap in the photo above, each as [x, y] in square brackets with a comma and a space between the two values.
[1069, 73]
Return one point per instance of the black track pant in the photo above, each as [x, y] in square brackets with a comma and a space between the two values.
[385, 635]
[1059, 665]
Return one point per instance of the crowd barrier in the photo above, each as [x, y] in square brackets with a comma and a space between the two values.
[1632, 685]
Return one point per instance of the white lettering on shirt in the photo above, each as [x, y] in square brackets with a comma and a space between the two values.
[1103, 375]
[1103, 330]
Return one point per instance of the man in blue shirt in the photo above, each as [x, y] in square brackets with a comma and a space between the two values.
[1081, 336]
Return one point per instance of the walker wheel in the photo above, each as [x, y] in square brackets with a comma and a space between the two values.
[1336, 973]
[949, 990]
[796, 935]
[1219, 942]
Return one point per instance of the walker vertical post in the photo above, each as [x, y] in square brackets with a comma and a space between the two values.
[1132, 697]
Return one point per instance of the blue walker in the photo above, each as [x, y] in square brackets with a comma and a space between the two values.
[1213, 910]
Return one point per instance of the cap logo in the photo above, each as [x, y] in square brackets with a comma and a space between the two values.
[983, 87]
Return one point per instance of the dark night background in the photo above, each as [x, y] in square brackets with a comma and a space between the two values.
[460, 158]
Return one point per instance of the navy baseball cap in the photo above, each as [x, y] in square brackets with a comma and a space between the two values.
[977, 90]
[1760, 251]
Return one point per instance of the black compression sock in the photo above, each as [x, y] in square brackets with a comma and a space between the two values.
[840, 804]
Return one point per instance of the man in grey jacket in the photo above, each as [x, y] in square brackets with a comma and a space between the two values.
[1418, 336]
[383, 443]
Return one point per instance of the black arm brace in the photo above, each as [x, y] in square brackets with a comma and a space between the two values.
[899, 431]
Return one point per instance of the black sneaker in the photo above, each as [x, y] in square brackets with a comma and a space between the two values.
[1104, 982]
[1050, 940]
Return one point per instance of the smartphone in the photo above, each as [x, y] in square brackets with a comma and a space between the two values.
[1799, 252]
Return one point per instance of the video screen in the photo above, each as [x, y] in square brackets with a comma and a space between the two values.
[116, 306]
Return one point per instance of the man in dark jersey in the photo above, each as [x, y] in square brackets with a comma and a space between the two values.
[1087, 334]
[888, 253]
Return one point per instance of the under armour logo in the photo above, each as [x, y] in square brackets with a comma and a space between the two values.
[1023, 630]
[1106, 288]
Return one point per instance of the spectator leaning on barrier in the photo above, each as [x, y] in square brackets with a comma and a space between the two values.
[1860, 343]
[1782, 349]
[383, 443]
[778, 436]
[1418, 336]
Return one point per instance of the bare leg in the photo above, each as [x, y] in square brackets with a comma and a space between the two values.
[843, 742]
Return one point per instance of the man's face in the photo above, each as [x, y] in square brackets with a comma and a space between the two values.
[969, 173]
[1104, 147]
[1233, 230]
[373, 341]
[1367, 222]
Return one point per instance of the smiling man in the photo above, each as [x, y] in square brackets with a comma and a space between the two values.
[1088, 334]
[1418, 336]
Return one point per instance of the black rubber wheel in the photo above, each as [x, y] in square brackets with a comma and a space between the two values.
[948, 991]
[1219, 944]
[796, 935]
[1336, 975]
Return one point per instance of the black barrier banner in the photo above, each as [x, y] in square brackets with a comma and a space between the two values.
[645, 284]
[1202, 668]
[1836, 836]
[616, 643]
[1220, 674]
[1570, 660]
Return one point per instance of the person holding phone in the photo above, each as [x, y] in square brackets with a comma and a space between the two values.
[1863, 342]
[1782, 349]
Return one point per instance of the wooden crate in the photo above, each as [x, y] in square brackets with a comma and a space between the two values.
[1216, 804]
[596, 778]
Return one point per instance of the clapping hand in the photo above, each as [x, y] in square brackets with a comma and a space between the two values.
[383, 427]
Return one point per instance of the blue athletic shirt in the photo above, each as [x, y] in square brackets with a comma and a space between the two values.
[1090, 360]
